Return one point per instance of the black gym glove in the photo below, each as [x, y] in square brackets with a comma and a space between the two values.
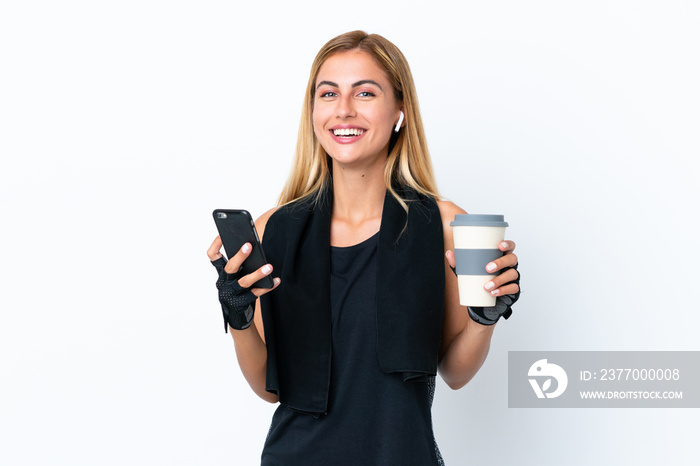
[490, 315]
[237, 303]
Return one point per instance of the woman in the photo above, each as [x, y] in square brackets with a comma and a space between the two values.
[365, 308]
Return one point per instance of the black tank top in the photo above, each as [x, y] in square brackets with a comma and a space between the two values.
[373, 418]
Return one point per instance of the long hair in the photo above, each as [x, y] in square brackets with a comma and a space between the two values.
[408, 163]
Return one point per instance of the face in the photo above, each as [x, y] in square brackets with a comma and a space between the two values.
[354, 109]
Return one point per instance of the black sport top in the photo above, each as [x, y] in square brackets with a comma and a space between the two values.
[409, 302]
[373, 418]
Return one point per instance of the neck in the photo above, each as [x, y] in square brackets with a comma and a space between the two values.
[358, 200]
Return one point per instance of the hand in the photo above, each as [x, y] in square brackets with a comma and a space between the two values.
[507, 282]
[505, 286]
[235, 295]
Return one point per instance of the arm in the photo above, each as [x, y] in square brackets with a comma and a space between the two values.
[249, 344]
[465, 343]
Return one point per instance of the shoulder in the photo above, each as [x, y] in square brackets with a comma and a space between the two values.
[261, 222]
[282, 217]
[448, 210]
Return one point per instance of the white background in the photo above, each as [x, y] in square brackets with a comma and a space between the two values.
[124, 124]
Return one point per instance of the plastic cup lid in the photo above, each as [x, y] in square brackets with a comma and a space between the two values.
[478, 220]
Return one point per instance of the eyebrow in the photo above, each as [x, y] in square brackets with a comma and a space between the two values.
[358, 83]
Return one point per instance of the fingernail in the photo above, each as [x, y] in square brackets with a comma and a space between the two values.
[246, 248]
[494, 293]
[266, 269]
[277, 281]
[489, 285]
[491, 266]
[504, 245]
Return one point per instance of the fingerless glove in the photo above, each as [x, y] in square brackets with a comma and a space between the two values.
[490, 315]
[237, 303]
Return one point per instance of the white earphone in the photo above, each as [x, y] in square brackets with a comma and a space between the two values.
[398, 125]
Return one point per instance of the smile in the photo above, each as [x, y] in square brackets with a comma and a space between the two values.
[347, 132]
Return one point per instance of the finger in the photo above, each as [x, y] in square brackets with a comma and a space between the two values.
[261, 291]
[450, 256]
[214, 251]
[234, 264]
[511, 288]
[506, 246]
[250, 279]
[219, 265]
[500, 280]
[509, 260]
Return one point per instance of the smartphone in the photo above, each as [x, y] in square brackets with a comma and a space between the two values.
[236, 227]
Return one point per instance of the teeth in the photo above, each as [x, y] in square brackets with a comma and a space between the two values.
[348, 132]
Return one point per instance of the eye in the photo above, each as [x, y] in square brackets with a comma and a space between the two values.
[328, 94]
[365, 94]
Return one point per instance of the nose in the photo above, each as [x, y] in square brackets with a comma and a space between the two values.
[346, 107]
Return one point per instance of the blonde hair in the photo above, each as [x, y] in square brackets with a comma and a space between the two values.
[408, 163]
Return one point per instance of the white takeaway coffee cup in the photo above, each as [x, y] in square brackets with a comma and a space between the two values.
[476, 239]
